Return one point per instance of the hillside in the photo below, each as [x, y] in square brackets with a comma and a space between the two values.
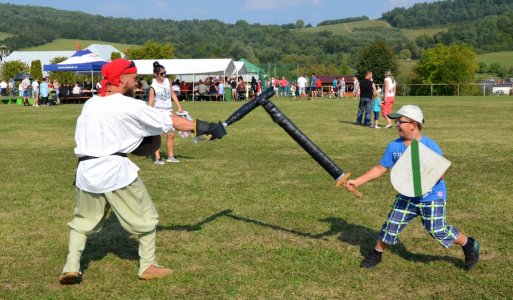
[443, 13]
[331, 48]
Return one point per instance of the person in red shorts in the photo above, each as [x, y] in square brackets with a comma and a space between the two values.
[388, 97]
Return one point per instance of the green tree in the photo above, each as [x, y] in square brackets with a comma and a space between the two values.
[483, 67]
[405, 54]
[453, 65]
[11, 68]
[238, 50]
[300, 24]
[36, 69]
[378, 57]
[115, 55]
[151, 50]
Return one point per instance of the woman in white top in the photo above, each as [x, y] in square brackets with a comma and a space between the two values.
[160, 96]
[388, 97]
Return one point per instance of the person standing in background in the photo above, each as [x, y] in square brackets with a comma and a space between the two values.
[25, 90]
[356, 87]
[367, 89]
[342, 87]
[388, 97]
[301, 86]
[160, 96]
[313, 87]
[43, 91]
[35, 91]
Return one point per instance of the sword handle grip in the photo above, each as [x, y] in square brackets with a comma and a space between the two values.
[343, 180]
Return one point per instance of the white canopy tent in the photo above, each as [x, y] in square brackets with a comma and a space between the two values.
[240, 70]
[191, 67]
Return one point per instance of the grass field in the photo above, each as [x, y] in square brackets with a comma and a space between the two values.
[252, 216]
[4, 35]
[412, 34]
[502, 58]
[67, 44]
[347, 28]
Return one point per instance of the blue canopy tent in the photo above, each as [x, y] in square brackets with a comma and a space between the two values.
[83, 61]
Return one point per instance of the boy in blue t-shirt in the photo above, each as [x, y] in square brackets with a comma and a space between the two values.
[431, 207]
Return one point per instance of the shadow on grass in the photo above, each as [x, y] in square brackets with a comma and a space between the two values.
[353, 234]
[111, 239]
[365, 238]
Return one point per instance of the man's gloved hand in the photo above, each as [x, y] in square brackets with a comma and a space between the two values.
[214, 130]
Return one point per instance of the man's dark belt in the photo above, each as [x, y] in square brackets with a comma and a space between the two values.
[82, 158]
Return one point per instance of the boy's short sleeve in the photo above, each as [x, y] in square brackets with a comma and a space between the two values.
[387, 160]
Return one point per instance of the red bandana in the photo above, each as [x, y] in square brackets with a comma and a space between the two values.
[112, 72]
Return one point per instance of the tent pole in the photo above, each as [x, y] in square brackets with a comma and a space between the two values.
[193, 84]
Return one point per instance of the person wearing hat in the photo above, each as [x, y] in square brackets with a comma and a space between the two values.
[431, 206]
[110, 126]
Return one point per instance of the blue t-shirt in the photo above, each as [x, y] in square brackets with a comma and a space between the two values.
[394, 151]
[335, 82]
[43, 89]
[375, 106]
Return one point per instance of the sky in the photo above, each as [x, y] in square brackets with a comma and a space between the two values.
[230, 11]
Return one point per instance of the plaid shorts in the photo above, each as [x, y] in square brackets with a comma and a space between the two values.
[432, 214]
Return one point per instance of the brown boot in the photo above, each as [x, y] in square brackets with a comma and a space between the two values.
[69, 278]
[154, 272]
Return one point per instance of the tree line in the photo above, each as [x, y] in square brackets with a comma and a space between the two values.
[283, 45]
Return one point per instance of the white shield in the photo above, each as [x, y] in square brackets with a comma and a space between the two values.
[417, 171]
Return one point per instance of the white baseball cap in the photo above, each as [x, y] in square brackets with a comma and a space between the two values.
[411, 111]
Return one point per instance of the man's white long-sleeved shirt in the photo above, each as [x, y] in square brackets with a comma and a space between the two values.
[108, 125]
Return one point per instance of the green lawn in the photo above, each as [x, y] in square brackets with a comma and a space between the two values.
[253, 216]
[67, 44]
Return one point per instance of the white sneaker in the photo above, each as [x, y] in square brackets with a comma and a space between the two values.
[377, 127]
[172, 159]
[159, 162]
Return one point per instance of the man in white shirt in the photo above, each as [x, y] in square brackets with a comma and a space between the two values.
[35, 91]
[301, 84]
[110, 126]
[25, 88]
[3, 88]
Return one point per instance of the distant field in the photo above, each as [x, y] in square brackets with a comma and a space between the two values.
[503, 58]
[346, 28]
[406, 68]
[412, 34]
[67, 44]
[4, 35]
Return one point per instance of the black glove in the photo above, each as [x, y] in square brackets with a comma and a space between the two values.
[215, 130]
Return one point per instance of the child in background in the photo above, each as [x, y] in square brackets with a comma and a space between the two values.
[293, 91]
[376, 108]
